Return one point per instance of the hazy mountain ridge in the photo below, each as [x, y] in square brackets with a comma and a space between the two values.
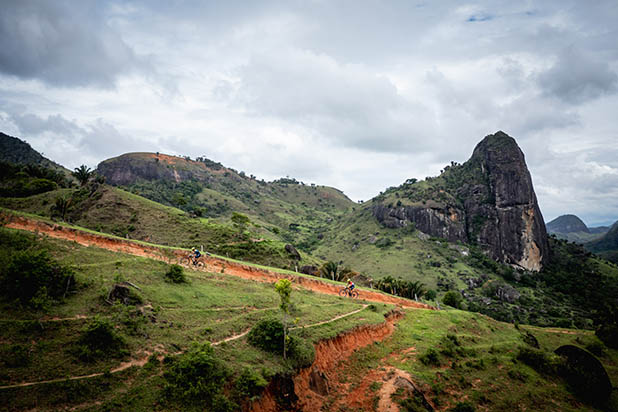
[573, 229]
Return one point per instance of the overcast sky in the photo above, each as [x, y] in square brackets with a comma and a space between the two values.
[359, 95]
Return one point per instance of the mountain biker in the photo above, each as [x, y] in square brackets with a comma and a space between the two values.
[351, 286]
[196, 255]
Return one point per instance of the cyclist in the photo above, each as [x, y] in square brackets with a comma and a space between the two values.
[196, 255]
[351, 286]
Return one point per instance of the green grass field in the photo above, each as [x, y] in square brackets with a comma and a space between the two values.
[208, 308]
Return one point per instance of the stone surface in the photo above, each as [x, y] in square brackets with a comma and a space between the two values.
[496, 207]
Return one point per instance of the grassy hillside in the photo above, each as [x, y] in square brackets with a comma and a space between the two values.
[452, 356]
[293, 210]
[607, 245]
[162, 318]
[469, 362]
[110, 210]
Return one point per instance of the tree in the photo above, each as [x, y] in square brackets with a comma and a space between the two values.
[329, 270]
[284, 289]
[452, 298]
[83, 174]
[62, 206]
[240, 221]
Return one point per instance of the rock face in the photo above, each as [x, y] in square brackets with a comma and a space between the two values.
[489, 200]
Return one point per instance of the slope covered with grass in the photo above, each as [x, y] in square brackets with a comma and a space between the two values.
[159, 319]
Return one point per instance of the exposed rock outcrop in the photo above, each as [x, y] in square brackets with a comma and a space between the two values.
[489, 200]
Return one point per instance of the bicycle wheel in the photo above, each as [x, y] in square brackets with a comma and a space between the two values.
[200, 264]
[354, 294]
[343, 292]
[185, 261]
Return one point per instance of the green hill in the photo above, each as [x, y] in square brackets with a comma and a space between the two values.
[607, 245]
[297, 212]
[14, 150]
[121, 337]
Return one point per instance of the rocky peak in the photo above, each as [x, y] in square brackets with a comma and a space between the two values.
[489, 201]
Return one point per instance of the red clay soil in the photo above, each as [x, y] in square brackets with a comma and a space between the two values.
[328, 356]
[212, 264]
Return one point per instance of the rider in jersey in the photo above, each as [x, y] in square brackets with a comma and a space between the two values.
[196, 255]
[351, 285]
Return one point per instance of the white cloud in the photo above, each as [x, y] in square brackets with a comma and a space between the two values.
[347, 94]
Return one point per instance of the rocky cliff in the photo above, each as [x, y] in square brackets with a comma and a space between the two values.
[489, 200]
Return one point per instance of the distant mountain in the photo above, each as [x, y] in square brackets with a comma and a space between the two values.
[573, 229]
[15, 150]
[567, 224]
[599, 229]
[607, 245]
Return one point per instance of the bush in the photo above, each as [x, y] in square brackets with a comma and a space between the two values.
[33, 278]
[197, 378]
[430, 294]
[301, 352]
[539, 360]
[384, 242]
[15, 355]
[462, 407]
[431, 357]
[267, 335]
[175, 274]
[99, 340]
[250, 384]
[452, 298]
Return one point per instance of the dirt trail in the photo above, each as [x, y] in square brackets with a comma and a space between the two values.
[212, 264]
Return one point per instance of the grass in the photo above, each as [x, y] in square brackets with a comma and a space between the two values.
[480, 367]
[209, 308]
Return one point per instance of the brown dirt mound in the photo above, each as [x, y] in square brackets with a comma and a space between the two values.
[212, 264]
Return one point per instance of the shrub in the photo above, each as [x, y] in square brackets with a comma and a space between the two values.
[250, 384]
[33, 278]
[431, 357]
[15, 355]
[452, 298]
[267, 335]
[430, 294]
[197, 378]
[539, 360]
[98, 340]
[175, 274]
[462, 407]
[384, 242]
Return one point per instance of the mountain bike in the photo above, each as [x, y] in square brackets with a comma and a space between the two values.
[190, 260]
[347, 292]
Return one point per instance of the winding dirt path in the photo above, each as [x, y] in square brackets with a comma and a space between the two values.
[212, 264]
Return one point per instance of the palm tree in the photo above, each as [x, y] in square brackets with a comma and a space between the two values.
[62, 206]
[83, 174]
[329, 270]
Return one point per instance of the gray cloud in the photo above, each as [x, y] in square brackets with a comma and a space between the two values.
[348, 105]
[62, 43]
[577, 77]
[70, 144]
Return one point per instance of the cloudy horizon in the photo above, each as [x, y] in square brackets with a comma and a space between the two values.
[359, 95]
